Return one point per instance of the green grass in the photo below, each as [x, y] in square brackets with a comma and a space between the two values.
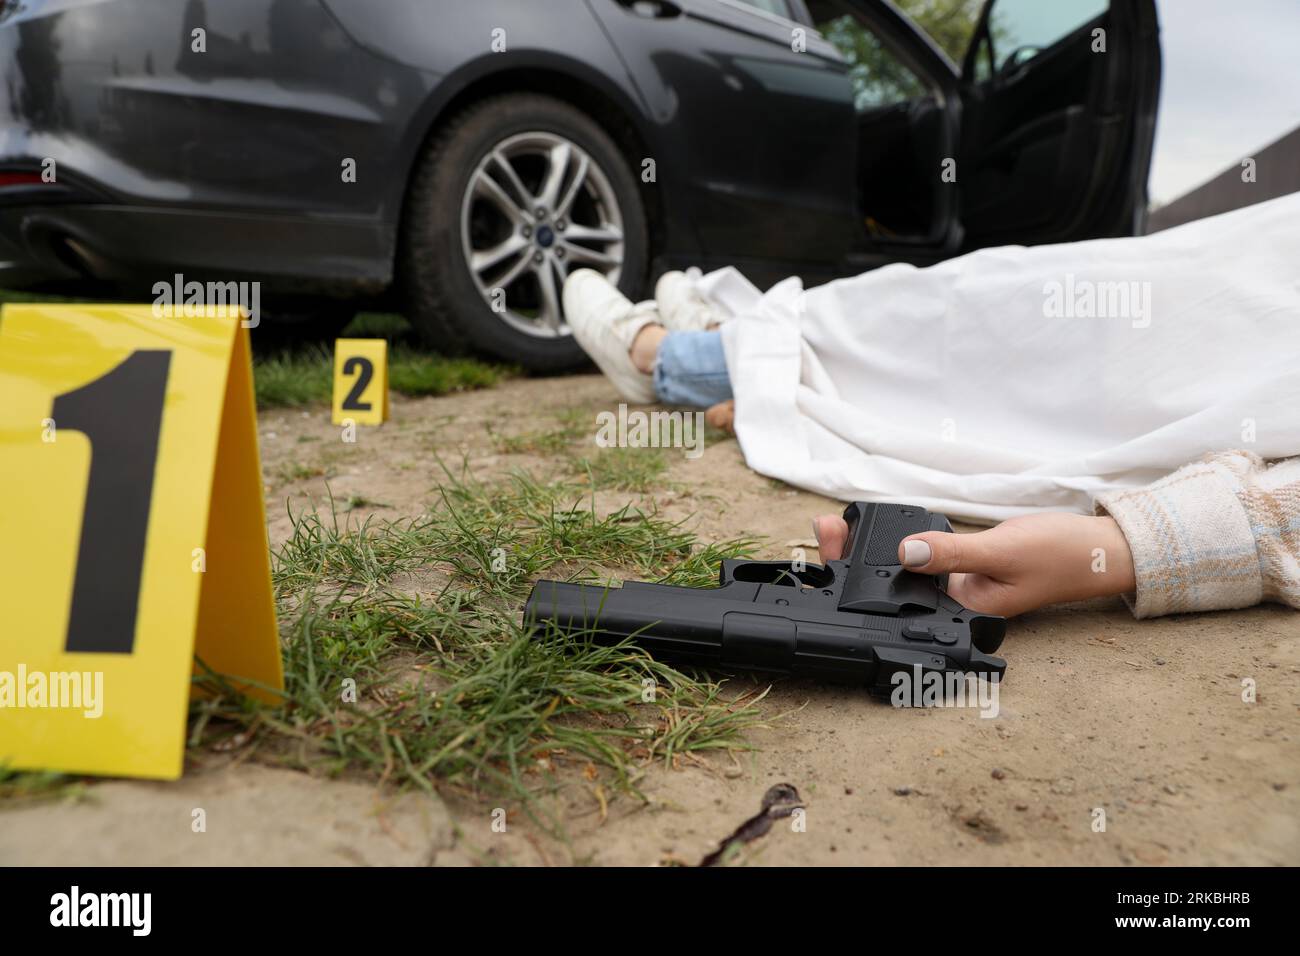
[571, 426]
[640, 469]
[450, 688]
[379, 325]
[305, 376]
[416, 373]
[625, 469]
[17, 785]
[293, 379]
[297, 471]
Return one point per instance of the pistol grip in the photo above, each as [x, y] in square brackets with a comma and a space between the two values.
[875, 581]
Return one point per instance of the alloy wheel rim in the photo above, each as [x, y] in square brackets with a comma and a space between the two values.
[536, 207]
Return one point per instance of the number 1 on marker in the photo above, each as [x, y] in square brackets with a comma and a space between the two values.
[120, 413]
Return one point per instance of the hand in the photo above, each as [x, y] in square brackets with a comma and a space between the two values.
[1022, 564]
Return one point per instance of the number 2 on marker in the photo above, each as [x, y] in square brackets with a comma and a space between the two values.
[365, 370]
[360, 395]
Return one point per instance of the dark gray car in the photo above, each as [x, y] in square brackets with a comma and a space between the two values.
[458, 157]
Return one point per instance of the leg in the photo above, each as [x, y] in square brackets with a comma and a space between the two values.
[689, 368]
[607, 324]
[680, 304]
[642, 358]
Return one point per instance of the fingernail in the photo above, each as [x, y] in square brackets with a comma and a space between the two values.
[915, 554]
[817, 534]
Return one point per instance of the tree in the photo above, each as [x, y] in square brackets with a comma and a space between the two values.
[878, 76]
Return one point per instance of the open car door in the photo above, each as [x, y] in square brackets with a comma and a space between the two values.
[1059, 107]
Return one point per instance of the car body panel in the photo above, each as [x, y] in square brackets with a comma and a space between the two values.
[230, 162]
[248, 136]
[261, 120]
[764, 131]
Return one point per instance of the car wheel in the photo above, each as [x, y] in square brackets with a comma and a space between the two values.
[513, 194]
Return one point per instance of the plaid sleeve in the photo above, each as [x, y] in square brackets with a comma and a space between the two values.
[1223, 532]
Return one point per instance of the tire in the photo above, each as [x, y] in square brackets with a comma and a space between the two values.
[463, 201]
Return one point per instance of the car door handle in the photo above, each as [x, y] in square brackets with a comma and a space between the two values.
[651, 9]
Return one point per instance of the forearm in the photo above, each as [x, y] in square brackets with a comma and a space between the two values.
[1109, 560]
[1216, 534]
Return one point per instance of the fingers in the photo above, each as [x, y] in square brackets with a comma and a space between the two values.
[938, 552]
[934, 552]
[978, 592]
[832, 532]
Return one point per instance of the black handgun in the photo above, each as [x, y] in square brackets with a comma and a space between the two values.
[859, 620]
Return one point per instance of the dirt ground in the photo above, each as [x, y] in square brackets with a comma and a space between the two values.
[1144, 721]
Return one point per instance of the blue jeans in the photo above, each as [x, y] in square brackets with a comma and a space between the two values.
[691, 369]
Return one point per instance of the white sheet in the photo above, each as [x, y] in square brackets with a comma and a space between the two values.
[974, 388]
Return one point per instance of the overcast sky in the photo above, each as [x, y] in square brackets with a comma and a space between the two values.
[1231, 85]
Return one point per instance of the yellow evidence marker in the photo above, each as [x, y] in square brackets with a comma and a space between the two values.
[132, 534]
[360, 381]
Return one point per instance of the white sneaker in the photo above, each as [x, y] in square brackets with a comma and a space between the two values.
[682, 307]
[605, 323]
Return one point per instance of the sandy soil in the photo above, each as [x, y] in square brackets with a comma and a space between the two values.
[1145, 721]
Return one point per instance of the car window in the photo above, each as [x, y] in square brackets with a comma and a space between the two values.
[879, 78]
[778, 7]
[1021, 29]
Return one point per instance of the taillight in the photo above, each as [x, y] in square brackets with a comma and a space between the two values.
[20, 179]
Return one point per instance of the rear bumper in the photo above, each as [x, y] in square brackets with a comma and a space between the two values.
[132, 247]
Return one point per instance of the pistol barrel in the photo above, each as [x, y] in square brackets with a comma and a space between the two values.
[761, 627]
